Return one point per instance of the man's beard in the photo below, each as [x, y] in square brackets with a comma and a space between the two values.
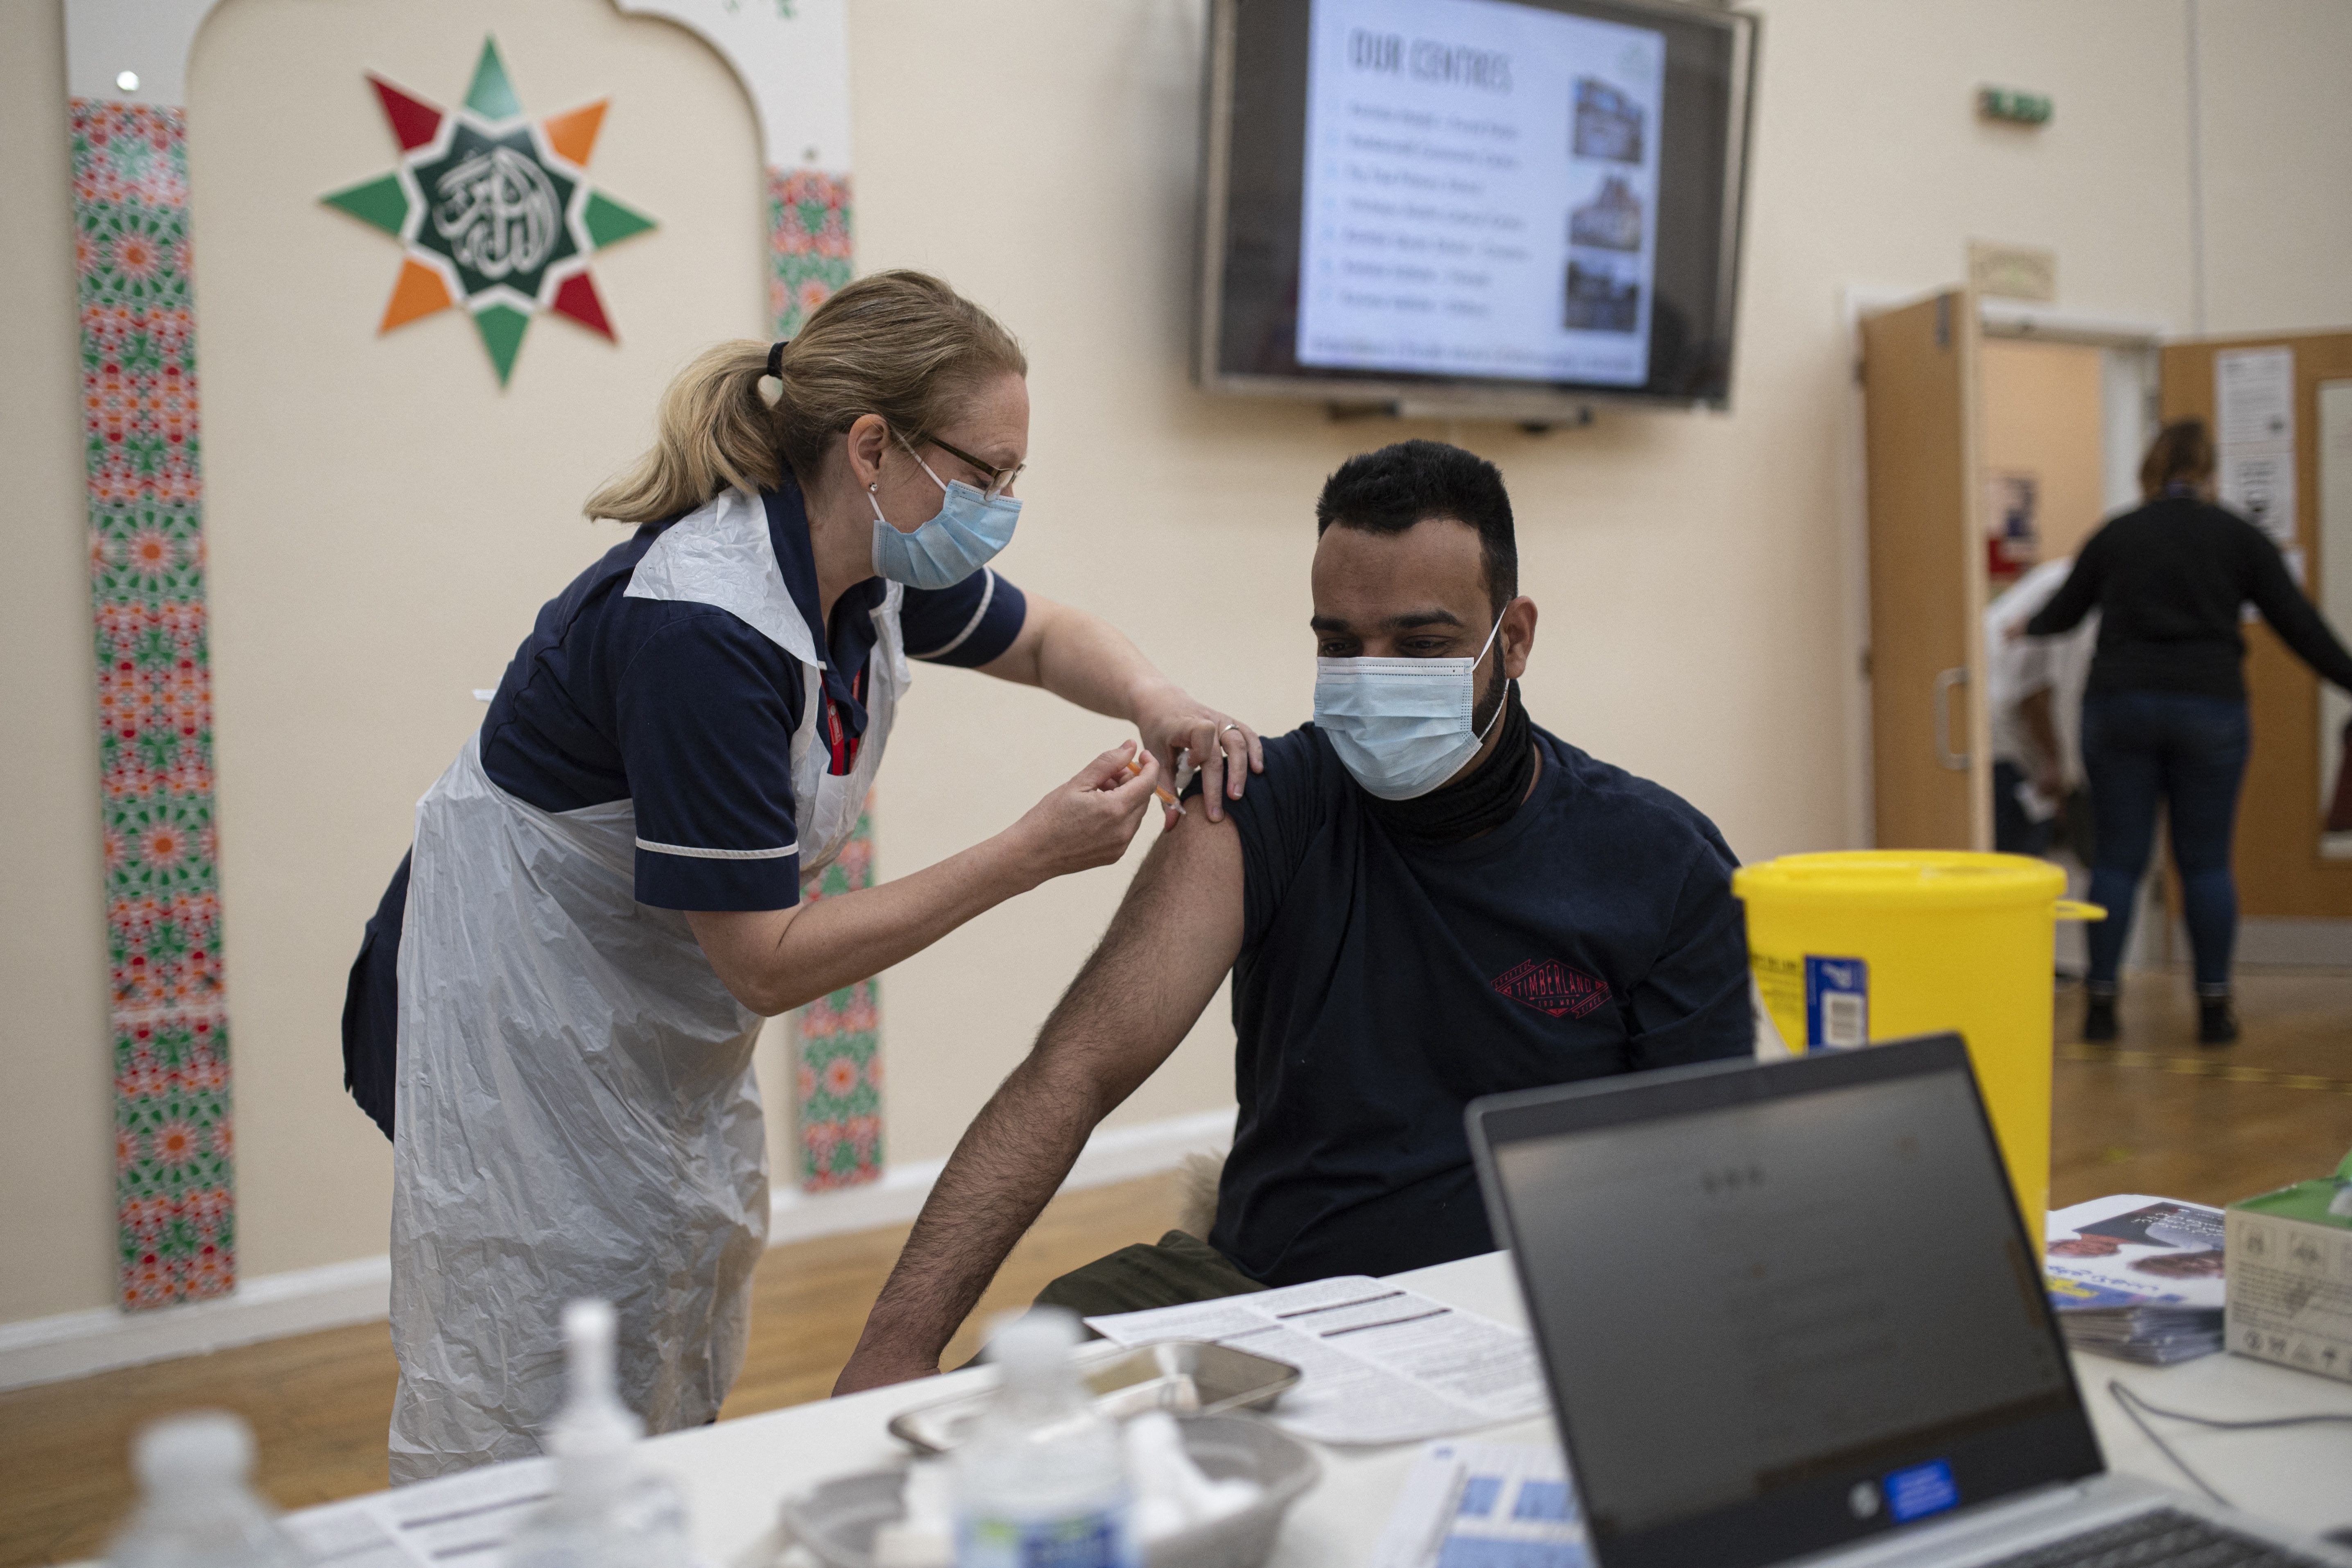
[1490, 701]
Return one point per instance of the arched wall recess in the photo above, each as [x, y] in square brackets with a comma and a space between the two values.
[126, 75]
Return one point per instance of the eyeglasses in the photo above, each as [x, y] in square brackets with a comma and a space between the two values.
[999, 480]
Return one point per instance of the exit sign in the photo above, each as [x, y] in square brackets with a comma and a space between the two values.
[2014, 104]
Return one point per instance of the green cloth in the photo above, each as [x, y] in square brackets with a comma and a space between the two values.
[1179, 1269]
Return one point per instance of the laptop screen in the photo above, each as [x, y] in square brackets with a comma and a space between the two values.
[1789, 1321]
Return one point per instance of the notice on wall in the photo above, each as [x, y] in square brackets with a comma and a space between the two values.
[2253, 397]
[2253, 401]
[1481, 191]
[2260, 486]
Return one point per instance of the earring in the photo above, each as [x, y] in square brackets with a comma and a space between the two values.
[876, 485]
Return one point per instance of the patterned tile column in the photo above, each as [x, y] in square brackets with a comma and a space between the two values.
[173, 1185]
[838, 1040]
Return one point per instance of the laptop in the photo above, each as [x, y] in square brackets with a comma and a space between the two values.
[1789, 1313]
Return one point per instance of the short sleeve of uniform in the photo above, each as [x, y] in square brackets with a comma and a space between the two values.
[967, 625]
[1280, 812]
[705, 711]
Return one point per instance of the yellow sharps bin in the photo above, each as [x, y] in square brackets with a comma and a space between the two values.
[1875, 944]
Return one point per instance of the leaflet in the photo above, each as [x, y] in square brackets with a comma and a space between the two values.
[2132, 1251]
[461, 1520]
[1382, 1363]
[1484, 1505]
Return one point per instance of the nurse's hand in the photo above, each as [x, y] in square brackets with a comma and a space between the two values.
[1225, 750]
[772, 960]
[1087, 822]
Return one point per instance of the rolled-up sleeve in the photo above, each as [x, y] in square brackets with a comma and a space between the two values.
[705, 713]
[967, 625]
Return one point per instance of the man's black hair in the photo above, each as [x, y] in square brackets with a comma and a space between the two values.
[1390, 490]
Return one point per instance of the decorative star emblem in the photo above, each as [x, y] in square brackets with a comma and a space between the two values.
[494, 211]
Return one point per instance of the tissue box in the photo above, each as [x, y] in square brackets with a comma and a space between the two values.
[2290, 1278]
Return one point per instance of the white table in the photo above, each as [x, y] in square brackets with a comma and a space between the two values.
[2301, 1477]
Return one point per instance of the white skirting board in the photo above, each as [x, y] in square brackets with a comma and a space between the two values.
[75, 1344]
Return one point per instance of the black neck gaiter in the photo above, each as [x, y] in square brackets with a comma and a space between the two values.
[1479, 804]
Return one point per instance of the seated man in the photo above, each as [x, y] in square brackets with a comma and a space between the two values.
[1426, 898]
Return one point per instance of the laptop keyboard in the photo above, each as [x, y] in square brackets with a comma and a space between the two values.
[2162, 1539]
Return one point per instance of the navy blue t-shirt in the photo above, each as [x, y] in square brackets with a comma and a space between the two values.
[1382, 988]
[689, 712]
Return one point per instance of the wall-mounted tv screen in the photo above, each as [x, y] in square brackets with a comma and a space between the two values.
[1513, 207]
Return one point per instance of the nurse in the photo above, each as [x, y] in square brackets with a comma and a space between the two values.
[604, 895]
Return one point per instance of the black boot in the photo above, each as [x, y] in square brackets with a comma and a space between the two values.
[2217, 1025]
[2099, 1017]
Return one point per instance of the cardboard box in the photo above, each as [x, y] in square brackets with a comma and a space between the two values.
[2290, 1276]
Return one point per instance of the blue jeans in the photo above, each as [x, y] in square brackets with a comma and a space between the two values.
[2189, 752]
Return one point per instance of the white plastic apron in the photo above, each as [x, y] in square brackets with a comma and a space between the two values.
[576, 1112]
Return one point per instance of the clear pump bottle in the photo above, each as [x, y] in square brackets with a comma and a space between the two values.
[197, 1507]
[1042, 1481]
[607, 1511]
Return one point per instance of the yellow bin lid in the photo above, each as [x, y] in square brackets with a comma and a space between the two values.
[1903, 878]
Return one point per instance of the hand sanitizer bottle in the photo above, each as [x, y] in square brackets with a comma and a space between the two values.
[197, 1506]
[1042, 1481]
[606, 1513]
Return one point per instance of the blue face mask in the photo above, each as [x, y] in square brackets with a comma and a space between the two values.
[1402, 726]
[965, 536]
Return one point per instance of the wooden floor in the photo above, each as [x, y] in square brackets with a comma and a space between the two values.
[2153, 1113]
[320, 1403]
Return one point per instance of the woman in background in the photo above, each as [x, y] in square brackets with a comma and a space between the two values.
[2164, 714]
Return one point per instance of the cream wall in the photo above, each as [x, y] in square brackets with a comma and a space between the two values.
[382, 521]
[1694, 571]
[57, 1167]
[2277, 180]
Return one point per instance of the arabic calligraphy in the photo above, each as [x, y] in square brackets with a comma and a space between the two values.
[498, 212]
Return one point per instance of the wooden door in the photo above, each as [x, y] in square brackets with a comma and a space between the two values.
[2281, 872]
[2044, 412]
[1932, 780]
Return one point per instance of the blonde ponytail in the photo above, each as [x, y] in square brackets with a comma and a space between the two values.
[900, 345]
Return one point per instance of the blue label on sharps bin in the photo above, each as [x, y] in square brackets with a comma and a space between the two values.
[1921, 1491]
[1837, 1002]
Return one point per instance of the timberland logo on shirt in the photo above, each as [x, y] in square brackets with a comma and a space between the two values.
[1550, 986]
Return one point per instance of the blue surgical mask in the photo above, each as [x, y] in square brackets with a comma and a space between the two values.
[965, 536]
[1402, 726]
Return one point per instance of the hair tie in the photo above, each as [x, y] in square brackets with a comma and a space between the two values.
[776, 358]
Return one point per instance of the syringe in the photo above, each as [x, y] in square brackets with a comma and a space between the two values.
[1135, 766]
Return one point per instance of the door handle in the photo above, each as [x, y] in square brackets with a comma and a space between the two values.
[1945, 681]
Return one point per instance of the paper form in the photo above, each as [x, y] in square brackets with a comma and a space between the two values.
[1484, 1505]
[461, 1521]
[1381, 1365]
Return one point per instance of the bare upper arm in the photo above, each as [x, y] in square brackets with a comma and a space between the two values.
[1189, 887]
[1177, 933]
